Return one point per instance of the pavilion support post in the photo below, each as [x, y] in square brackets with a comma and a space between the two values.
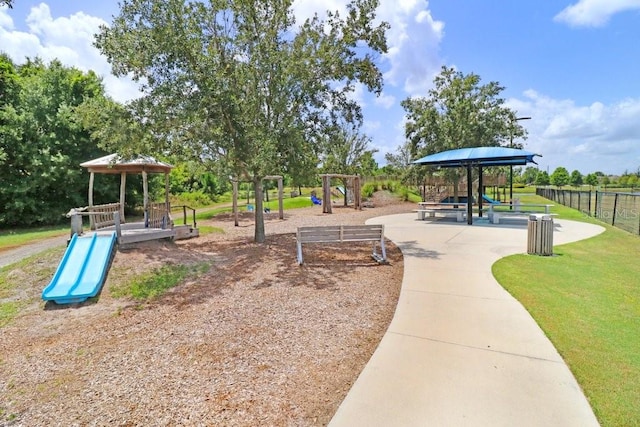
[480, 192]
[145, 198]
[235, 202]
[166, 191]
[92, 225]
[123, 186]
[469, 196]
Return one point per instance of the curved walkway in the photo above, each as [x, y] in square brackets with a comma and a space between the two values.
[460, 350]
[12, 256]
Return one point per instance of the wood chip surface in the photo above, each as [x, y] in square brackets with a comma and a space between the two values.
[255, 341]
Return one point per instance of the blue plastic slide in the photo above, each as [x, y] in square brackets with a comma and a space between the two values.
[82, 270]
[490, 200]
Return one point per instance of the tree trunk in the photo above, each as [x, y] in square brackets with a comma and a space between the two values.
[259, 236]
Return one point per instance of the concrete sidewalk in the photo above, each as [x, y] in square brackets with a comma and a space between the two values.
[460, 351]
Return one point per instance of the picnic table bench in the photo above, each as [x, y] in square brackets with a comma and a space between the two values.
[496, 211]
[429, 209]
[340, 234]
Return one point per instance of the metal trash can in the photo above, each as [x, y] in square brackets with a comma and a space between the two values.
[540, 235]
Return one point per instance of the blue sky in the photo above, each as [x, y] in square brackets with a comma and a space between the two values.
[572, 66]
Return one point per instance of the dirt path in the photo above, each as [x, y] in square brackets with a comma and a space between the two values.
[12, 256]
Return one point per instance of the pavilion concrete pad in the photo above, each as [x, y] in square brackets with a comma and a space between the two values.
[460, 350]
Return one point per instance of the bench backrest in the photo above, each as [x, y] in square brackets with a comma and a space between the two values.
[340, 233]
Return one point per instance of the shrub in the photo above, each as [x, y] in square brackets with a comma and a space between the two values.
[368, 189]
[194, 199]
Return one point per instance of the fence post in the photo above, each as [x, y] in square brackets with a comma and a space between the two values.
[615, 209]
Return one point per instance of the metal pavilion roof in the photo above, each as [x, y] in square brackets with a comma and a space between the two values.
[478, 156]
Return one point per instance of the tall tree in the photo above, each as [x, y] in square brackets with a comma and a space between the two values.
[543, 178]
[576, 178]
[346, 151]
[560, 177]
[529, 175]
[43, 141]
[459, 112]
[591, 179]
[237, 81]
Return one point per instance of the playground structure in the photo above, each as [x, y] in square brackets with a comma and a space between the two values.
[86, 261]
[280, 197]
[353, 186]
[157, 222]
[437, 189]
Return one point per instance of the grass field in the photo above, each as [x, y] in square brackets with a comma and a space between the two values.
[586, 298]
[13, 238]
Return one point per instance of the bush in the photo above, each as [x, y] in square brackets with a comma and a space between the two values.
[194, 199]
[404, 193]
[368, 189]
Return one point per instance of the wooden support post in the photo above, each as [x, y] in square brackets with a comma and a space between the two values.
[356, 193]
[166, 194]
[280, 201]
[76, 224]
[123, 186]
[326, 194]
[145, 198]
[235, 201]
[91, 222]
[116, 222]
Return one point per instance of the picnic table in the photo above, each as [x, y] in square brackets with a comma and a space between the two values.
[430, 209]
[498, 210]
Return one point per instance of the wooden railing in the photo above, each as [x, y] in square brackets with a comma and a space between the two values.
[185, 216]
[102, 215]
[159, 216]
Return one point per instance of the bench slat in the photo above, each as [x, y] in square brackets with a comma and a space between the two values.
[339, 234]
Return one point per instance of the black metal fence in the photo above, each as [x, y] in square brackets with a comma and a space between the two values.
[621, 210]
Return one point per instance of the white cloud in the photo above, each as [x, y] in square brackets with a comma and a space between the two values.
[413, 42]
[594, 13]
[385, 101]
[5, 20]
[583, 137]
[412, 59]
[68, 39]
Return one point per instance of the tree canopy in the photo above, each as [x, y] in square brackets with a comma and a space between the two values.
[42, 140]
[459, 112]
[237, 81]
[560, 177]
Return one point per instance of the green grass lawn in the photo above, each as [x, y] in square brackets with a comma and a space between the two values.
[586, 299]
[13, 238]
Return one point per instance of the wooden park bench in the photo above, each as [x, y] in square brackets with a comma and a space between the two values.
[343, 233]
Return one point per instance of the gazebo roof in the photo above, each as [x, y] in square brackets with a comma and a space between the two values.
[114, 163]
[478, 156]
